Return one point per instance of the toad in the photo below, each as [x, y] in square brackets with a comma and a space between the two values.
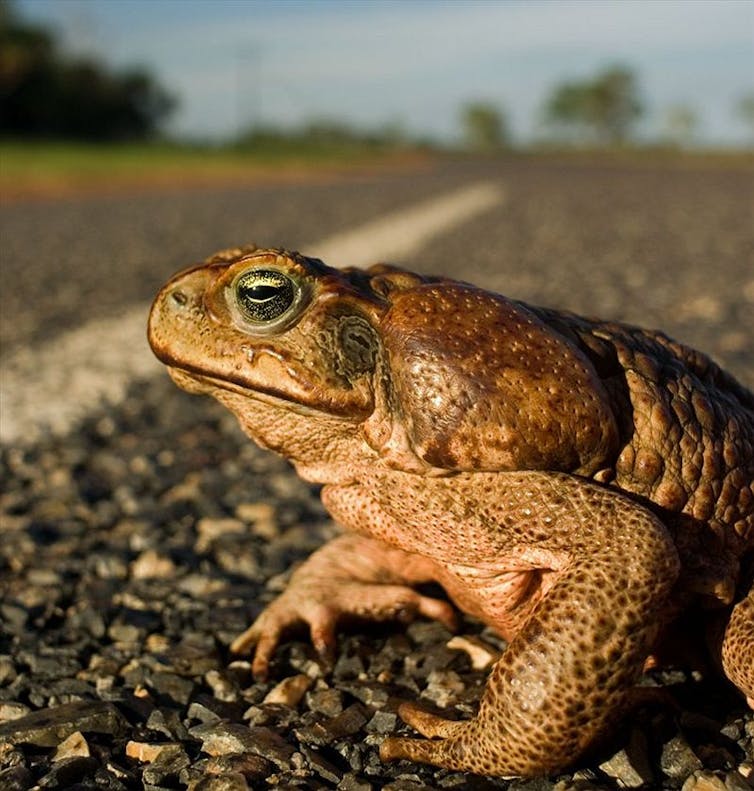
[575, 484]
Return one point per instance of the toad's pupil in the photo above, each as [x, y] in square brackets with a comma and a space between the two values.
[261, 293]
[264, 295]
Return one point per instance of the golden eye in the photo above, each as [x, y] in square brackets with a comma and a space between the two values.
[264, 295]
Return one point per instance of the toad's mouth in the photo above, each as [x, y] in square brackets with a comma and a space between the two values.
[200, 383]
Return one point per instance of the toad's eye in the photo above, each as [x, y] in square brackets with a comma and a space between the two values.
[263, 295]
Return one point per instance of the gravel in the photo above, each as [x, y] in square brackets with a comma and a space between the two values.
[133, 551]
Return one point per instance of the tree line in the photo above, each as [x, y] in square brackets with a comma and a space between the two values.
[602, 110]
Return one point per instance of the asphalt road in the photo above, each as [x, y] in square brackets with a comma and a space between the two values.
[150, 523]
[665, 247]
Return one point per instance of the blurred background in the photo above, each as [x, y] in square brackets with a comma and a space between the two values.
[219, 86]
[614, 142]
[592, 155]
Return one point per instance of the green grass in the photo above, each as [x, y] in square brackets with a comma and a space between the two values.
[54, 168]
[71, 159]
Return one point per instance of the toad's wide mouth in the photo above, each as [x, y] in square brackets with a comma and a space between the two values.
[200, 383]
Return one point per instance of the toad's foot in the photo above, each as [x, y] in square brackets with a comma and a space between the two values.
[463, 746]
[322, 604]
[324, 592]
[447, 743]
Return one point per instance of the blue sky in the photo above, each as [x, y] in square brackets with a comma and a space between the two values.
[415, 62]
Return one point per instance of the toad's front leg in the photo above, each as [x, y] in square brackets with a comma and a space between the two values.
[350, 576]
[570, 668]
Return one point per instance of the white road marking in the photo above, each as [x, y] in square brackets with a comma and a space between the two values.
[403, 232]
[51, 387]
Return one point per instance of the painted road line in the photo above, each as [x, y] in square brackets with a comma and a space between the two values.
[401, 233]
[49, 388]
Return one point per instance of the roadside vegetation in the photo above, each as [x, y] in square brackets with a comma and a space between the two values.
[52, 168]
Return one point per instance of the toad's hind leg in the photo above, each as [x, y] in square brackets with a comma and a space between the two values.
[563, 677]
[738, 647]
[567, 674]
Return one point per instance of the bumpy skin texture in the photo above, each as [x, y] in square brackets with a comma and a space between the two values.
[575, 484]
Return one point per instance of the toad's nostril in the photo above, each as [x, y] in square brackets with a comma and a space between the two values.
[179, 297]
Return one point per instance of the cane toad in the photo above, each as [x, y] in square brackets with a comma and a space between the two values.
[573, 483]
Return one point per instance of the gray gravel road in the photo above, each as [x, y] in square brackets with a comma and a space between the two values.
[670, 248]
[134, 548]
[83, 259]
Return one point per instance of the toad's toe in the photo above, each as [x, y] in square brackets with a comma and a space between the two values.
[466, 750]
[437, 752]
[429, 725]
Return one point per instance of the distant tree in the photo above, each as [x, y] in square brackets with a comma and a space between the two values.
[26, 66]
[484, 127]
[569, 109]
[681, 122]
[604, 108]
[745, 111]
[44, 94]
